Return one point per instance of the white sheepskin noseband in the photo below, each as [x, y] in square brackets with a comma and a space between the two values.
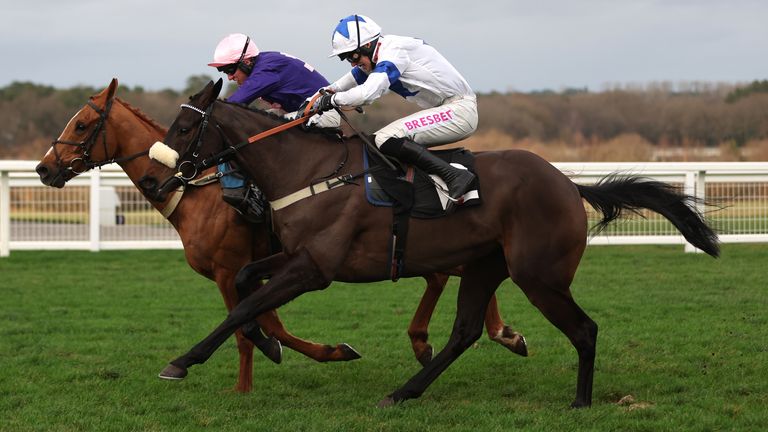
[164, 154]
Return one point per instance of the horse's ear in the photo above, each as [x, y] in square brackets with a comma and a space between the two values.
[209, 93]
[217, 87]
[108, 93]
[112, 89]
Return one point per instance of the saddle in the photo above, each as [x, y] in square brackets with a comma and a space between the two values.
[422, 195]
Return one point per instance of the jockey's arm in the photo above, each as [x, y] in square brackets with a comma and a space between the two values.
[346, 82]
[256, 86]
[365, 93]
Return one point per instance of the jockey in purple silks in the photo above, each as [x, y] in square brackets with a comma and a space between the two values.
[282, 80]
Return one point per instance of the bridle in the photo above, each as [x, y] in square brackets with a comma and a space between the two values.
[193, 150]
[87, 145]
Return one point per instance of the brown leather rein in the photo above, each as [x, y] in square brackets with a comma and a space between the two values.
[305, 116]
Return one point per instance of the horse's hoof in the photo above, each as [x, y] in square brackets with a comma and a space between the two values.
[521, 347]
[386, 402]
[272, 349]
[580, 404]
[426, 356]
[269, 346]
[348, 353]
[173, 372]
[512, 340]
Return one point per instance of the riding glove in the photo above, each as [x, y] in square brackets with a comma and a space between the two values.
[324, 103]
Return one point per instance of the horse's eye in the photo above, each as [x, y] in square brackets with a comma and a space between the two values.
[80, 126]
[183, 131]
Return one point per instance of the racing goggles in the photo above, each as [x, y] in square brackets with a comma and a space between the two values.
[229, 69]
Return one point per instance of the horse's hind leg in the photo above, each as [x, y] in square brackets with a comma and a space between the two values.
[546, 284]
[418, 330]
[478, 283]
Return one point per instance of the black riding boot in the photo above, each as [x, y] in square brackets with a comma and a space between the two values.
[457, 179]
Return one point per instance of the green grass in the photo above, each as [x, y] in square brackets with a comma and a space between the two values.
[83, 336]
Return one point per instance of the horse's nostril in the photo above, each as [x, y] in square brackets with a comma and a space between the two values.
[42, 171]
[147, 183]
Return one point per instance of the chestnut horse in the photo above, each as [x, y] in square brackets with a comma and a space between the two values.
[217, 241]
[531, 227]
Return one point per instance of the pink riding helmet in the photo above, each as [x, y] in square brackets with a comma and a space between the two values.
[230, 50]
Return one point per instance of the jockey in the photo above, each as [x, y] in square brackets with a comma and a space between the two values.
[419, 73]
[285, 82]
[278, 78]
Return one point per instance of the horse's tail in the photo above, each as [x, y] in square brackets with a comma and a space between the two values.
[614, 194]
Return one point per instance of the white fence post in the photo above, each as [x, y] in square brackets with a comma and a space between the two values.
[5, 213]
[95, 211]
[695, 186]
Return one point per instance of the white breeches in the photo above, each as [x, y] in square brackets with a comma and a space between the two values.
[452, 121]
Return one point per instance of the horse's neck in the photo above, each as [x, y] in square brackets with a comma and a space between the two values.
[289, 160]
[134, 136]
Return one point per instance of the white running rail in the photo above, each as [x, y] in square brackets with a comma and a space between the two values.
[103, 210]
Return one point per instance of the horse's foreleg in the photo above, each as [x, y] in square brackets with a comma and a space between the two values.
[269, 346]
[245, 353]
[478, 284]
[418, 330]
[298, 276]
[225, 280]
[502, 333]
[273, 327]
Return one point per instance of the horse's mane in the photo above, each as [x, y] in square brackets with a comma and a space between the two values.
[140, 114]
[327, 132]
[263, 112]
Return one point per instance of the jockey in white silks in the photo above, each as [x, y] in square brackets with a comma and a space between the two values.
[416, 71]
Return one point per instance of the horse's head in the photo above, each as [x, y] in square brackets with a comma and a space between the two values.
[175, 160]
[83, 144]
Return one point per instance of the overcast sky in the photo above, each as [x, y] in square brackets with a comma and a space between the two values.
[496, 44]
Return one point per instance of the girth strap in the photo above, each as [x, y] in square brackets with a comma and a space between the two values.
[401, 217]
[173, 202]
[312, 190]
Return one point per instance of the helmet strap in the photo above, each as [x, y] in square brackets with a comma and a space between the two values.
[357, 24]
[245, 48]
[369, 48]
[247, 66]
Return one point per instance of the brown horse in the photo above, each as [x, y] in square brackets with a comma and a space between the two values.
[217, 241]
[532, 227]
